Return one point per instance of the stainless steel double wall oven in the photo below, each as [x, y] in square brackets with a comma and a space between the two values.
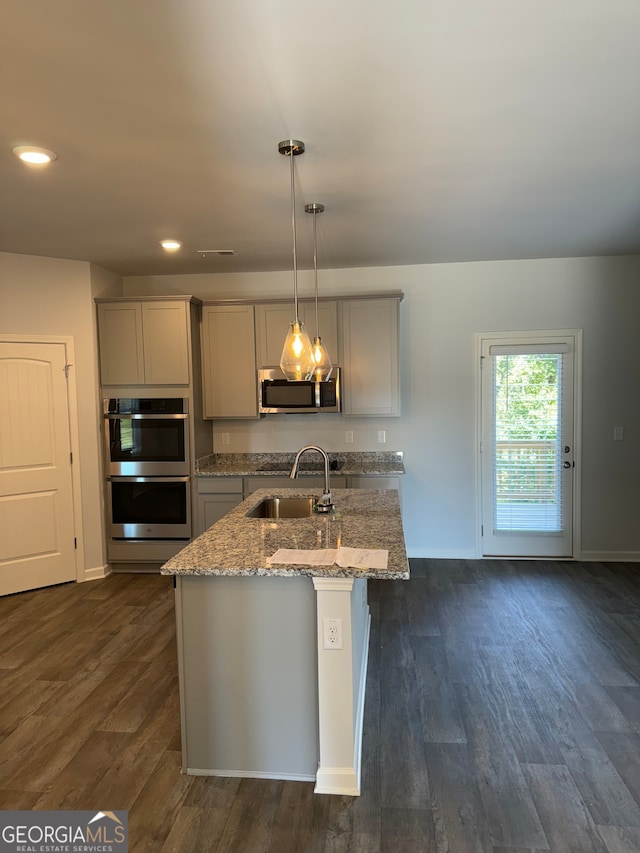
[147, 462]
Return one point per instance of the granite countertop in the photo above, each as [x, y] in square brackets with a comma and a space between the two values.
[237, 545]
[386, 463]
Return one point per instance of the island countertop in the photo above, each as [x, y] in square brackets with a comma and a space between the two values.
[238, 545]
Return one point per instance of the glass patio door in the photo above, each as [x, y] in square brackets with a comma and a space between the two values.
[527, 446]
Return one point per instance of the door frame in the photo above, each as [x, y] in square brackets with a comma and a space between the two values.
[479, 338]
[74, 434]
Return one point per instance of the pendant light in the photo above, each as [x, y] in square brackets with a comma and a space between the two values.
[296, 361]
[322, 366]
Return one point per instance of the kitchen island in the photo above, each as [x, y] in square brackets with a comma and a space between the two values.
[265, 692]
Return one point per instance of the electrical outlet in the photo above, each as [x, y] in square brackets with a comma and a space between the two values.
[224, 438]
[382, 436]
[348, 436]
[332, 633]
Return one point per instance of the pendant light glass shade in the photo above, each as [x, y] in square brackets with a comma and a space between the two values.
[322, 366]
[296, 361]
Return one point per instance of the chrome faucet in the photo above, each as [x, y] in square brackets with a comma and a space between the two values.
[323, 504]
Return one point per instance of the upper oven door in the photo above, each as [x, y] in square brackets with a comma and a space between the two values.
[139, 445]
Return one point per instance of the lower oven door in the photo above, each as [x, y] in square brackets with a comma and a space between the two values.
[148, 508]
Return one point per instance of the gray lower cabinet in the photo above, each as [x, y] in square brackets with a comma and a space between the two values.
[374, 481]
[216, 496]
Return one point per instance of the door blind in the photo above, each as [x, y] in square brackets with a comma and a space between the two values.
[527, 384]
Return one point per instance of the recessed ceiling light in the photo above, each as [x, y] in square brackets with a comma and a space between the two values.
[171, 245]
[35, 156]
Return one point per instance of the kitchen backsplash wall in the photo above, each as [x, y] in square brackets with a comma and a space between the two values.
[283, 433]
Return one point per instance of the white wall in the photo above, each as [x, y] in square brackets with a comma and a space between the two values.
[46, 296]
[444, 305]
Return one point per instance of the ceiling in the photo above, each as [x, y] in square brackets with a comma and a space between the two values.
[435, 130]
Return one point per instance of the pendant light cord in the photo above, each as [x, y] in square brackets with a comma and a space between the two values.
[293, 230]
[315, 267]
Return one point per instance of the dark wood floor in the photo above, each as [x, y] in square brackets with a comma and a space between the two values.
[502, 716]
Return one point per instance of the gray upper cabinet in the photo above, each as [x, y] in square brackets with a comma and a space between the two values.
[229, 362]
[371, 378]
[144, 342]
[272, 324]
[120, 340]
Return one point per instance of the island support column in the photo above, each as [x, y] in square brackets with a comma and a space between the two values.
[342, 675]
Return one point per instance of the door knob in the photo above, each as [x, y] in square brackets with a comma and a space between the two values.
[566, 464]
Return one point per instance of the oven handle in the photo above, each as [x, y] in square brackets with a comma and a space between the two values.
[148, 479]
[117, 417]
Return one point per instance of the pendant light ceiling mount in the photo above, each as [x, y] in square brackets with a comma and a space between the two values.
[291, 147]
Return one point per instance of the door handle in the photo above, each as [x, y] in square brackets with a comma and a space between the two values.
[566, 464]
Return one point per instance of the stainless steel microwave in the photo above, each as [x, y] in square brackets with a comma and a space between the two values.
[276, 395]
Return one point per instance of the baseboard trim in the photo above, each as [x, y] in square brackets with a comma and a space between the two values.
[438, 554]
[96, 573]
[611, 556]
[251, 774]
[337, 780]
[587, 556]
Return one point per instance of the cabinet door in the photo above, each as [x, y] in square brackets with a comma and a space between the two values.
[374, 482]
[212, 508]
[272, 324]
[229, 362]
[371, 381]
[120, 343]
[166, 343]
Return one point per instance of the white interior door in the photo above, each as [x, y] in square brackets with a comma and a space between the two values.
[36, 499]
[527, 446]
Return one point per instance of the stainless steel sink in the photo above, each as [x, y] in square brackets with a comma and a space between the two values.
[282, 508]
